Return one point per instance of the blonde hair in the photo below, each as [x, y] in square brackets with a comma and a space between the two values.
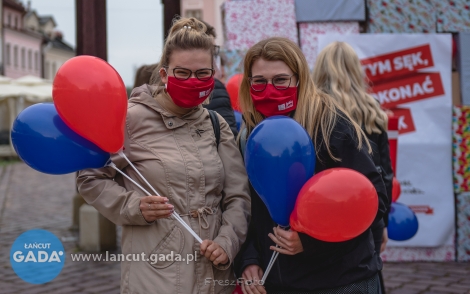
[338, 72]
[316, 111]
[185, 34]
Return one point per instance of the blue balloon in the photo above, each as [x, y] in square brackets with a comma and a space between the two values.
[238, 118]
[402, 222]
[45, 143]
[280, 159]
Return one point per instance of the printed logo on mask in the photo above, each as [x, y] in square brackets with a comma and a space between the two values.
[204, 93]
[287, 105]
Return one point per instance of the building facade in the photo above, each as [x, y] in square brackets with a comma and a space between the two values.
[31, 45]
[207, 10]
[55, 51]
[21, 47]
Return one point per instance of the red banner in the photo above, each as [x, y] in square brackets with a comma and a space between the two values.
[405, 120]
[417, 87]
[393, 141]
[398, 63]
[426, 209]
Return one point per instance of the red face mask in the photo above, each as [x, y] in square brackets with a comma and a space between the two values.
[189, 93]
[272, 101]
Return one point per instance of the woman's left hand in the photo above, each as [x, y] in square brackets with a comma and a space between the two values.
[214, 252]
[288, 240]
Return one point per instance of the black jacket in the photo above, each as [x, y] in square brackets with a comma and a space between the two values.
[381, 158]
[321, 265]
[220, 102]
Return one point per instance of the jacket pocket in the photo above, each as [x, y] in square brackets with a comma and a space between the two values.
[168, 250]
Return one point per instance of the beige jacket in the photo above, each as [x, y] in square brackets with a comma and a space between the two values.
[179, 157]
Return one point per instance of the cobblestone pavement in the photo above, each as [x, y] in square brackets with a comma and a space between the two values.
[29, 199]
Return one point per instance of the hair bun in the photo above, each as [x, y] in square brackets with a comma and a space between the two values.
[188, 25]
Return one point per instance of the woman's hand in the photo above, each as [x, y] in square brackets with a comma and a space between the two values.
[155, 207]
[251, 283]
[214, 252]
[288, 240]
[384, 240]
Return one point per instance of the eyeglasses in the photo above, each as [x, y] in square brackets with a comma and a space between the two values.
[282, 82]
[216, 50]
[183, 74]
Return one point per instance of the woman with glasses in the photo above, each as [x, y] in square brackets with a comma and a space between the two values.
[277, 81]
[170, 139]
[338, 72]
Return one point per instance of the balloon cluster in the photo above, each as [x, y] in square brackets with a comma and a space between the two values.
[402, 221]
[83, 126]
[335, 205]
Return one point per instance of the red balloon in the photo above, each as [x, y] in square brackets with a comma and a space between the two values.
[233, 85]
[396, 189]
[91, 99]
[238, 290]
[335, 205]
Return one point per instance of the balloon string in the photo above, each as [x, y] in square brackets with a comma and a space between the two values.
[270, 265]
[111, 164]
[273, 258]
[140, 175]
[174, 214]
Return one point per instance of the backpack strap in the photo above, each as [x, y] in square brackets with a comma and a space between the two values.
[215, 125]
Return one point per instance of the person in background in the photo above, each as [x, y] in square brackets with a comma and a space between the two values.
[170, 139]
[276, 73]
[338, 72]
[143, 74]
[220, 100]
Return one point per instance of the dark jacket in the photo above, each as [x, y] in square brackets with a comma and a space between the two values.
[381, 158]
[322, 265]
[220, 102]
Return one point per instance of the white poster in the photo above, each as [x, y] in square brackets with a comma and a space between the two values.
[410, 74]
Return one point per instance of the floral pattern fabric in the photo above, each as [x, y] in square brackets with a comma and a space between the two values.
[248, 22]
[441, 253]
[309, 33]
[401, 16]
[233, 62]
[461, 148]
[453, 15]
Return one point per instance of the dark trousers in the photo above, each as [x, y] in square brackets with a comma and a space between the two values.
[377, 233]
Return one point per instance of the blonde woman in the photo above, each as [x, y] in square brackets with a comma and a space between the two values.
[169, 137]
[275, 73]
[338, 72]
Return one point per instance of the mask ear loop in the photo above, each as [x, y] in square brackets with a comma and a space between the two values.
[164, 69]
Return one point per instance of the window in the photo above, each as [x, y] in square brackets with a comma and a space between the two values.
[15, 56]
[9, 20]
[30, 59]
[36, 61]
[196, 13]
[46, 70]
[23, 58]
[8, 54]
[54, 70]
[16, 22]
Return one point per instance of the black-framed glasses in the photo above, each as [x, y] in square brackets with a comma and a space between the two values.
[183, 74]
[216, 50]
[281, 82]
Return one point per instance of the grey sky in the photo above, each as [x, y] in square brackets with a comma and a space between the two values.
[135, 30]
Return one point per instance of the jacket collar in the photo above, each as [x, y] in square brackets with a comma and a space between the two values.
[158, 99]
